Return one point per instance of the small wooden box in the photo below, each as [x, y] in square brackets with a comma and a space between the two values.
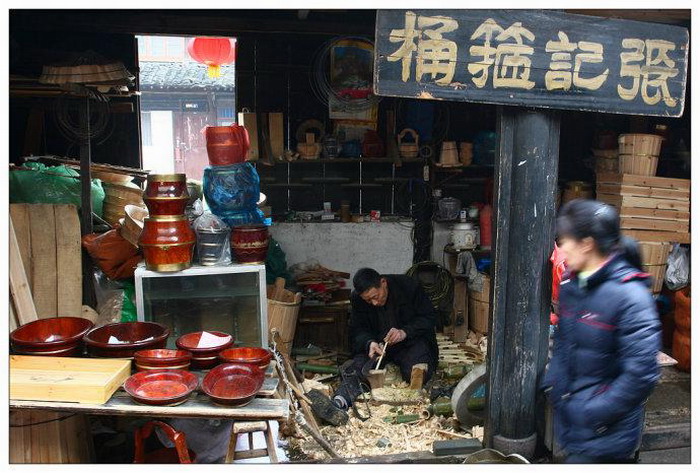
[52, 378]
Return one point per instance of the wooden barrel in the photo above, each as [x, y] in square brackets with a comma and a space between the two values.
[640, 144]
[577, 190]
[282, 313]
[654, 257]
[167, 243]
[479, 304]
[49, 437]
[249, 243]
[638, 164]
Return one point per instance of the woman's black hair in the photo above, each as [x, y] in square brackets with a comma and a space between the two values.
[582, 218]
[366, 278]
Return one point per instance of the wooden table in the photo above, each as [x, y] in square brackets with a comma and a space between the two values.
[199, 405]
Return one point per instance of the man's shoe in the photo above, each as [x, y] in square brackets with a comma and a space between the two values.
[324, 408]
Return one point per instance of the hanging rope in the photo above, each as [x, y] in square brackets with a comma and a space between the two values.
[440, 291]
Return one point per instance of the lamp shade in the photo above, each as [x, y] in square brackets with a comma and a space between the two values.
[214, 52]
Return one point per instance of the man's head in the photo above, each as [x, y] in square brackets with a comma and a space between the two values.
[371, 286]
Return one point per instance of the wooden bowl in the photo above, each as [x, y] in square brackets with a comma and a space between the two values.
[233, 384]
[204, 346]
[256, 356]
[123, 339]
[161, 387]
[57, 336]
[162, 358]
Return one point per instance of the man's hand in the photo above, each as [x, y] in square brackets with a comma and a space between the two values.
[374, 350]
[394, 336]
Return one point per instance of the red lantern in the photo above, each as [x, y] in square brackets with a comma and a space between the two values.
[214, 52]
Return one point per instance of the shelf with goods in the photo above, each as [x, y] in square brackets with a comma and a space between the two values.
[327, 184]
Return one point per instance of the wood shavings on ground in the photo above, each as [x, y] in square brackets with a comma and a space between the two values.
[477, 432]
[396, 394]
[362, 439]
[477, 340]
[309, 384]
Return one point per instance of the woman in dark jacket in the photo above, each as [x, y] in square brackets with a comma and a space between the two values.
[604, 363]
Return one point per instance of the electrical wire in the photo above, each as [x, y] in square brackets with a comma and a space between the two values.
[440, 291]
[320, 78]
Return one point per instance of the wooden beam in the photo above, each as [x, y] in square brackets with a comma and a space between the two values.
[19, 286]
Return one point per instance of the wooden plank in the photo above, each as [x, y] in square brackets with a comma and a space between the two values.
[655, 214]
[49, 378]
[644, 202]
[276, 138]
[250, 122]
[650, 235]
[651, 224]
[69, 270]
[43, 237]
[13, 315]
[19, 286]
[656, 192]
[20, 219]
[449, 55]
[644, 181]
[198, 405]
[461, 312]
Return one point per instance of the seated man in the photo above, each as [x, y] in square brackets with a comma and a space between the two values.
[391, 310]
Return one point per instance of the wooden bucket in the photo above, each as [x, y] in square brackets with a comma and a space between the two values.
[49, 437]
[606, 160]
[640, 143]
[577, 190]
[282, 313]
[657, 272]
[638, 164]
[408, 149]
[479, 304]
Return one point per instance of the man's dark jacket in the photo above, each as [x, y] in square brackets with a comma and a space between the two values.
[604, 364]
[413, 311]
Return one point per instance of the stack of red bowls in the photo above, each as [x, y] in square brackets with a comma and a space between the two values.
[167, 240]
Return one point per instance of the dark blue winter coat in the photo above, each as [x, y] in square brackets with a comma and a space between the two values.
[604, 362]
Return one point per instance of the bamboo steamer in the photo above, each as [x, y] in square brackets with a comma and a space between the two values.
[126, 191]
[639, 164]
[38, 436]
[640, 144]
[282, 313]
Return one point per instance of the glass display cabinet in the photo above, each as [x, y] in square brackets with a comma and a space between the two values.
[230, 299]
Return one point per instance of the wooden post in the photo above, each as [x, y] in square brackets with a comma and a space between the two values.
[525, 185]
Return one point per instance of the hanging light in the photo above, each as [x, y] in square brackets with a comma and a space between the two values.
[214, 52]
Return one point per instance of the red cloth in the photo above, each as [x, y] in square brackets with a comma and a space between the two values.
[558, 269]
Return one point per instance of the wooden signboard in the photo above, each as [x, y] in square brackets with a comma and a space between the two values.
[532, 58]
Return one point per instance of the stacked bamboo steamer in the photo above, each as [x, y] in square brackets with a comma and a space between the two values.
[639, 155]
[118, 196]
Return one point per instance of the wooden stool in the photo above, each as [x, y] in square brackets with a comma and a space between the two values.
[250, 428]
[179, 454]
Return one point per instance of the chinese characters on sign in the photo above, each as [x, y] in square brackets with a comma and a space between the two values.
[520, 52]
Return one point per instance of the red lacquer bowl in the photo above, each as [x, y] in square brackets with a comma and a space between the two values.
[166, 206]
[259, 357]
[161, 387]
[123, 339]
[166, 185]
[205, 347]
[233, 384]
[57, 336]
[162, 358]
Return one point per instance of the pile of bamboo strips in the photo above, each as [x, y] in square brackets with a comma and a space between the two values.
[318, 282]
